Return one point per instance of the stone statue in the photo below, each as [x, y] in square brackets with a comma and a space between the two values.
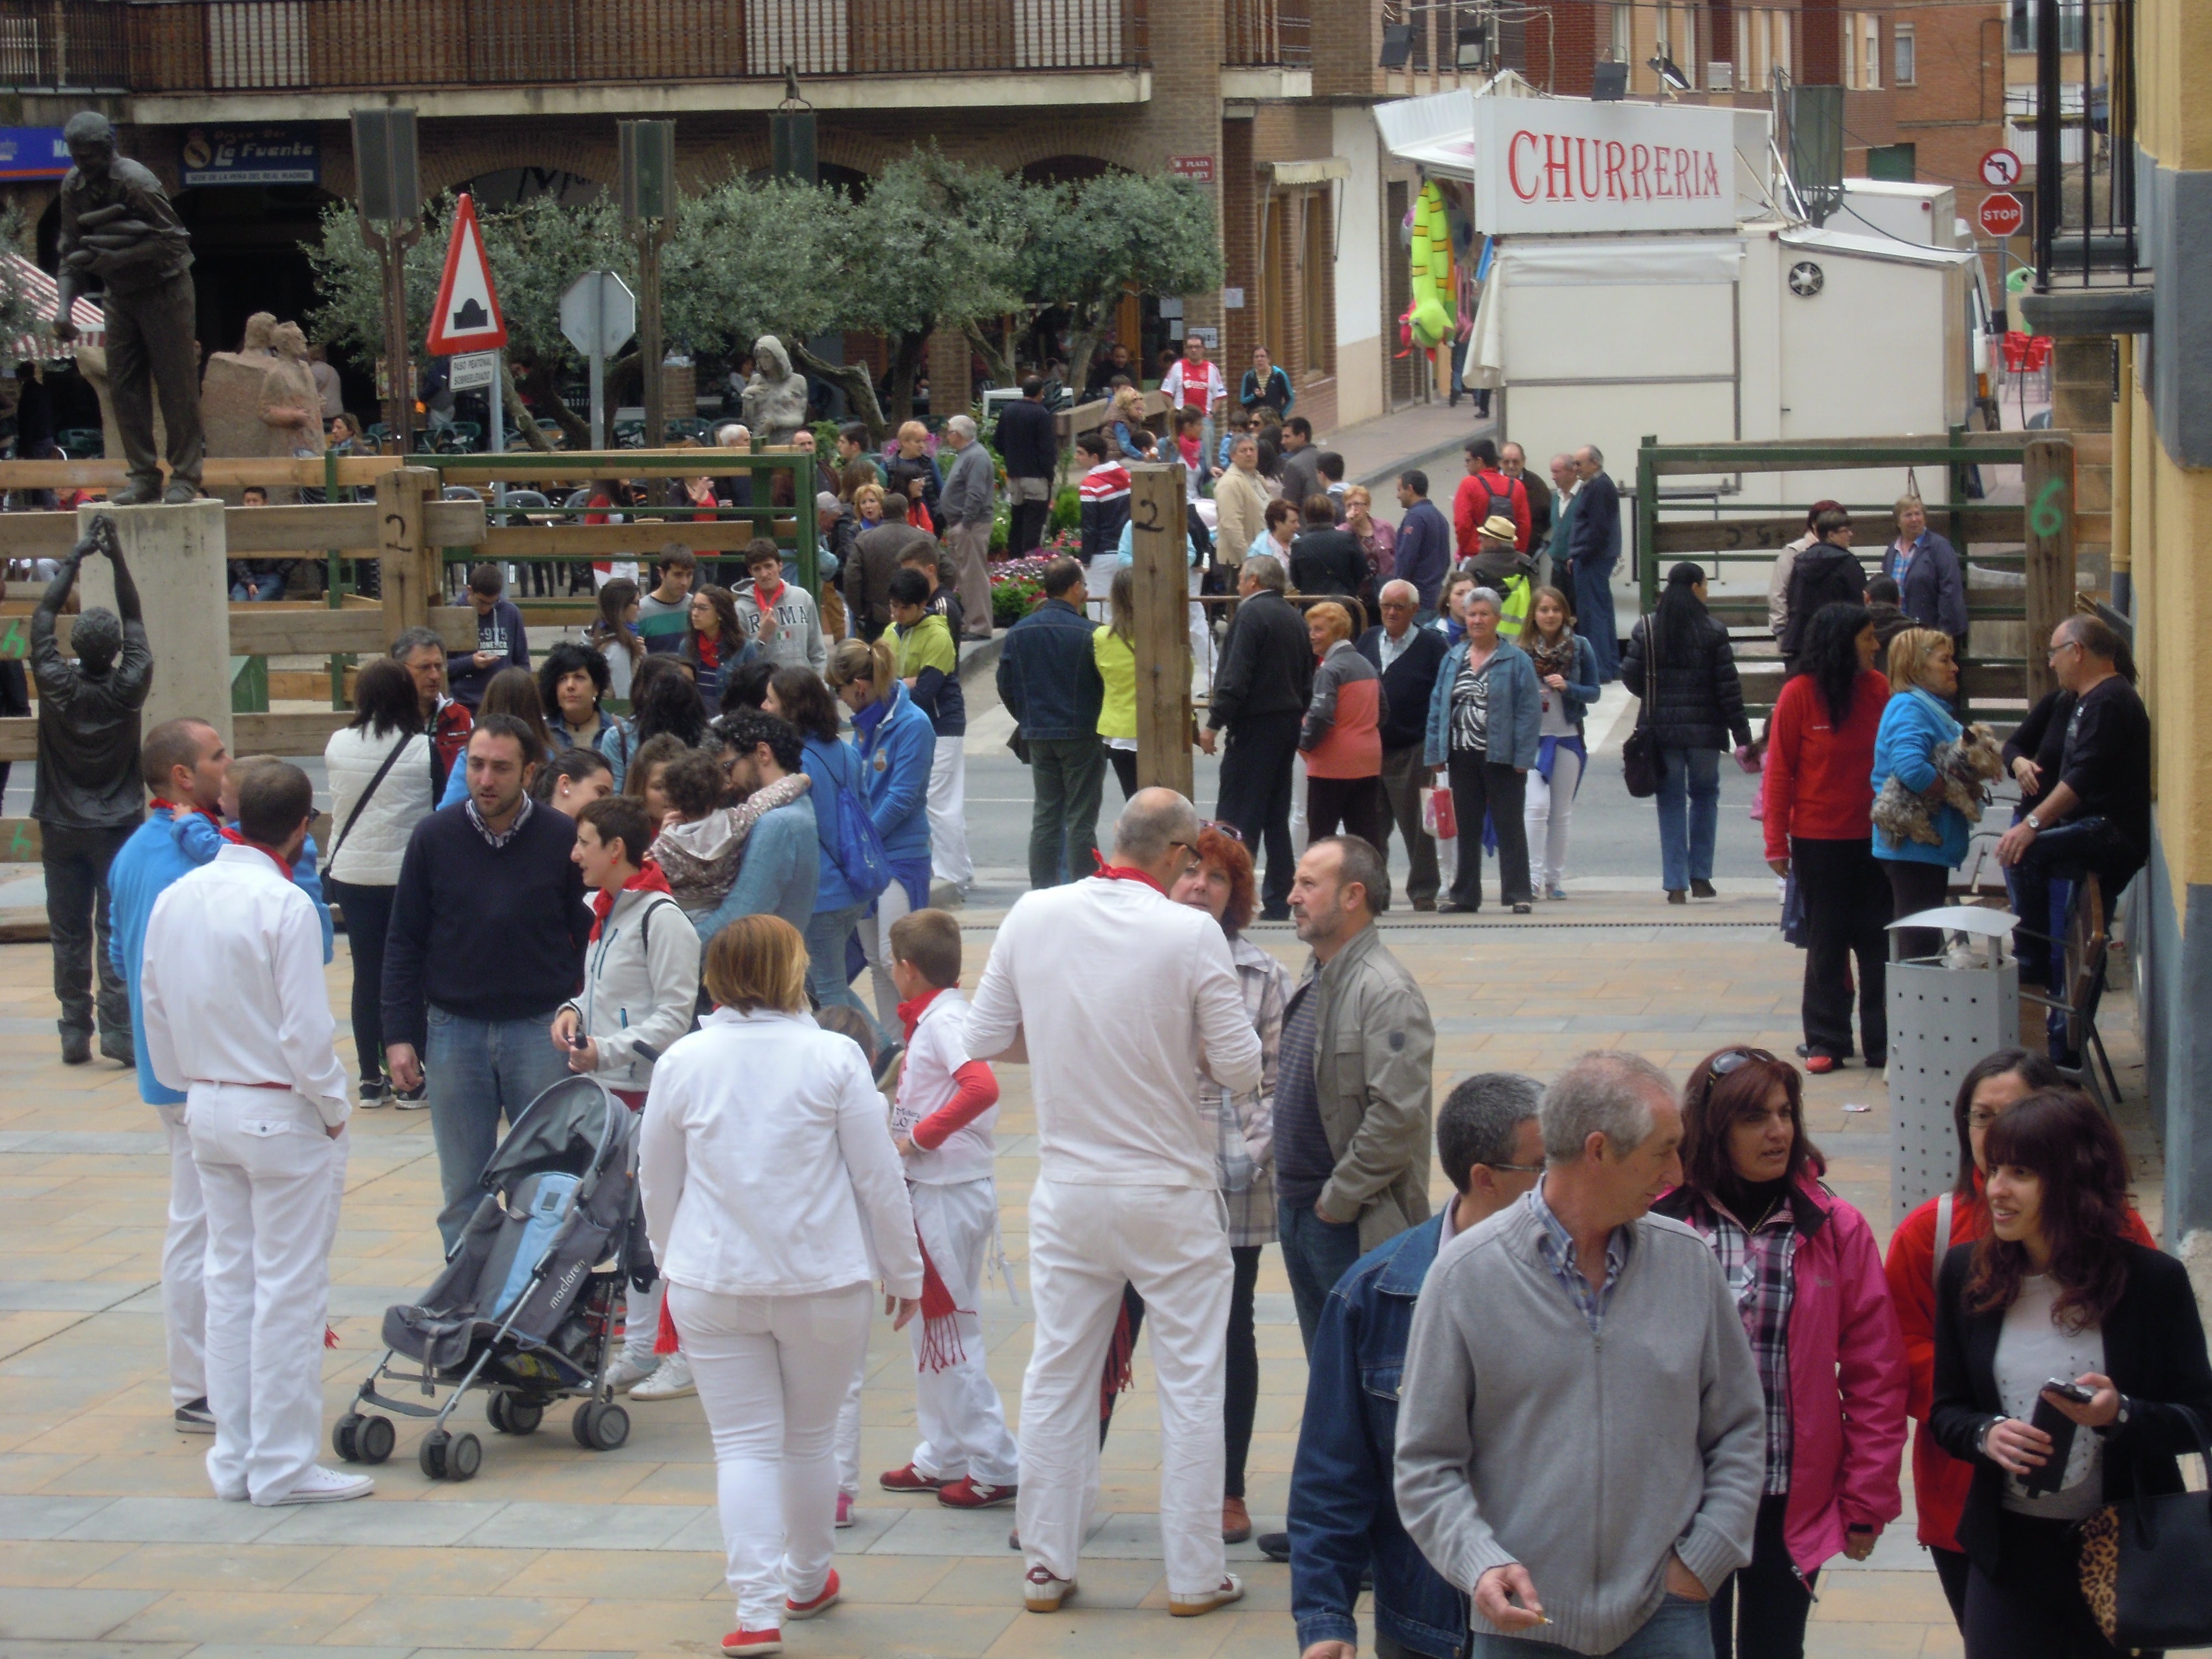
[775, 401]
[261, 400]
[120, 231]
[291, 405]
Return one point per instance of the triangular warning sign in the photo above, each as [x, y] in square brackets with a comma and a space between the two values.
[466, 317]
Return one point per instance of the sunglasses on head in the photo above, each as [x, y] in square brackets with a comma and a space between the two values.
[1226, 828]
[1734, 1060]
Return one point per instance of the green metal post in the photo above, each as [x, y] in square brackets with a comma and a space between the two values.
[334, 585]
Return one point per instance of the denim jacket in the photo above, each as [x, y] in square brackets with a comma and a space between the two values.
[1343, 1512]
[1047, 676]
[1516, 716]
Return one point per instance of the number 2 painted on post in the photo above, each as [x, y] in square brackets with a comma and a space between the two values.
[2047, 516]
[1146, 514]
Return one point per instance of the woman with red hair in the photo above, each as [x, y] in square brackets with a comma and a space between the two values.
[1221, 884]
[2058, 1293]
[1807, 1277]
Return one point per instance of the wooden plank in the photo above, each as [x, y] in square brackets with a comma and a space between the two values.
[291, 735]
[256, 532]
[412, 571]
[1162, 642]
[19, 740]
[265, 631]
[216, 472]
[1839, 454]
[451, 524]
[640, 540]
[20, 840]
[2047, 484]
[1871, 531]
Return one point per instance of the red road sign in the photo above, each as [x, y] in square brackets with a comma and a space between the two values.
[467, 316]
[2002, 215]
[2000, 169]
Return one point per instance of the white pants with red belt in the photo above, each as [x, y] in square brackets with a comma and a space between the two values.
[184, 1259]
[1086, 1243]
[272, 1176]
[963, 1424]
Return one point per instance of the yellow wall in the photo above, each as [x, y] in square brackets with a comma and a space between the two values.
[2174, 48]
[2171, 520]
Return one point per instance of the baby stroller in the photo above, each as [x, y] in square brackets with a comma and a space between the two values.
[525, 1308]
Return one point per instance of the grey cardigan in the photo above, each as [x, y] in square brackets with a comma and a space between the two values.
[1586, 1457]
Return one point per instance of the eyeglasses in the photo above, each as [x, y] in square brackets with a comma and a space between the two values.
[1224, 828]
[2051, 655]
[1515, 1168]
[1981, 1118]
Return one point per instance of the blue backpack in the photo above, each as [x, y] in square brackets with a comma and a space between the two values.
[859, 854]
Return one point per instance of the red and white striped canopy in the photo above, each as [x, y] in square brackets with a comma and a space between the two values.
[38, 291]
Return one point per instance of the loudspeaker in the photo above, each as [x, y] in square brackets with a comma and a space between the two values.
[388, 185]
[649, 169]
[1609, 83]
[790, 145]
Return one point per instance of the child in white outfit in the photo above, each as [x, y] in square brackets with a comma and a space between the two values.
[947, 1107]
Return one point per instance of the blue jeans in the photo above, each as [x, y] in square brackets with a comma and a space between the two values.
[1689, 816]
[477, 1070]
[1317, 1253]
[1679, 1628]
[258, 585]
[1594, 620]
[826, 978]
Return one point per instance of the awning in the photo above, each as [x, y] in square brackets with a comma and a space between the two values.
[1438, 130]
[1613, 261]
[37, 291]
[1289, 175]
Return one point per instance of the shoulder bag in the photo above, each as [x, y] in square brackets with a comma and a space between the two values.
[1642, 764]
[2143, 1564]
[354, 816]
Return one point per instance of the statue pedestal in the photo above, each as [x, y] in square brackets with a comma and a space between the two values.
[177, 557]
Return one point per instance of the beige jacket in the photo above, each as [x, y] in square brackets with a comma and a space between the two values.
[1240, 505]
[1374, 1051]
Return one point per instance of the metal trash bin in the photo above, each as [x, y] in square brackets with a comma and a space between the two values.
[1941, 1020]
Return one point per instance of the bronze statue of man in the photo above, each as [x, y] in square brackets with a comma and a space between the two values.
[118, 228]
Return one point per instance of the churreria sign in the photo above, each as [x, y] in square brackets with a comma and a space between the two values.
[1560, 165]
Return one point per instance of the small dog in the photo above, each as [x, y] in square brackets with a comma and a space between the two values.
[1964, 768]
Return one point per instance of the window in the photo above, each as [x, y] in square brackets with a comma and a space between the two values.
[1862, 51]
[2019, 31]
[1870, 25]
[1318, 268]
[1905, 70]
[1782, 60]
[1623, 49]
[1896, 162]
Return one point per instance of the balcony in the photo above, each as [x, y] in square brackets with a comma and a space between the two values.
[1267, 34]
[311, 58]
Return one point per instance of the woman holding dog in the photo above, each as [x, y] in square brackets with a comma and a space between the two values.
[1916, 723]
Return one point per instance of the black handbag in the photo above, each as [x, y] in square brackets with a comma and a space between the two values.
[2143, 1565]
[1642, 764]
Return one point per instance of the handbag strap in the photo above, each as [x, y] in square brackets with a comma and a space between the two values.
[1942, 1240]
[1650, 696]
[354, 816]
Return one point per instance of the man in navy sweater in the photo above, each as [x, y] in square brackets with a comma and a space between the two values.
[489, 925]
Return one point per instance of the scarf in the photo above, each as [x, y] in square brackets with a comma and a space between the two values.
[185, 809]
[649, 880]
[1552, 659]
[1123, 872]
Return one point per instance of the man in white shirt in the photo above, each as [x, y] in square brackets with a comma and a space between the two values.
[1125, 1187]
[237, 1016]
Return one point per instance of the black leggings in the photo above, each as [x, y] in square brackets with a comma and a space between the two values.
[1124, 762]
[368, 918]
[1240, 1401]
[1914, 887]
[2033, 1608]
[1951, 1569]
[1760, 1612]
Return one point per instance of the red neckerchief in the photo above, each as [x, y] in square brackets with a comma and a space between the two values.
[268, 852]
[910, 1013]
[768, 595]
[178, 810]
[648, 879]
[709, 647]
[1122, 872]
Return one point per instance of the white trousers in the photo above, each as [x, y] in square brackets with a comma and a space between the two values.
[1300, 833]
[641, 1322]
[1085, 1243]
[963, 1427]
[1201, 641]
[771, 1370]
[271, 1176]
[184, 1260]
[875, 934]
[948, 815]
[1549, 812]
[848, 1433]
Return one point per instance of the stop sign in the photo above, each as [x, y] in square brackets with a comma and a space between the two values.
[2001, 214]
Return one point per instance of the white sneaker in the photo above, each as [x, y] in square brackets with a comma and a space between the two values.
[670, 1380]
[322, 1486]
[628, 1373]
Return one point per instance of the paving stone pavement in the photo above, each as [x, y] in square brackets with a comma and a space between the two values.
[116, 1550]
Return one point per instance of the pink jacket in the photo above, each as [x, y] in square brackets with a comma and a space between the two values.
[1847, 1381]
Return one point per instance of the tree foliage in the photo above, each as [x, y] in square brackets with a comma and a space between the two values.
[935, 243]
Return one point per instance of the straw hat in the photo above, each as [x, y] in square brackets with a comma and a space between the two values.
[1499, 528]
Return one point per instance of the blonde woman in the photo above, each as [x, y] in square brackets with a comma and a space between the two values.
[1132, 440]
[1566, 686]
[1923, 678]
[1342, 736]
[1378, 542]
[771, 1188]
[1114, 648]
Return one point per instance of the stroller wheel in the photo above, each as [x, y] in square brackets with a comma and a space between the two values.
[464, 1457]
[345, 1437]
[600, 1426]
[430, 1455]
[523, 1416]
[375, 1437]
[496, 1410]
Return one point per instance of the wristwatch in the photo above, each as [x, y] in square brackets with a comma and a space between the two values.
[2034, 822]
[2119, 1422]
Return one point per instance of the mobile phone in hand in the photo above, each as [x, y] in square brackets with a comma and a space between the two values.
[2061, 1428]
[2073, 1391]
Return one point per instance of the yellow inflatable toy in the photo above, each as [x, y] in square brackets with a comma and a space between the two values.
[1435, 286]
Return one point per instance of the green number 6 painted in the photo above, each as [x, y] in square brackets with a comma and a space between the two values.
[2047, 516]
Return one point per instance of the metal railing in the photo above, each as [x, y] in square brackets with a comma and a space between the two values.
[2086, 230]
[272, 46]
[1267, 34]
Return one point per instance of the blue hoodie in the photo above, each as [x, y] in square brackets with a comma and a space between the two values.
[897, 743]
[1912, 724]
[160, 852]
[831, 763]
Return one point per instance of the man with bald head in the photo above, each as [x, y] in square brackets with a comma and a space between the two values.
[1409, 658]
[1126, 1191]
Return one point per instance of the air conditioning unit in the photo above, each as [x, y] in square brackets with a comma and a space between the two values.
[1720, 77]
